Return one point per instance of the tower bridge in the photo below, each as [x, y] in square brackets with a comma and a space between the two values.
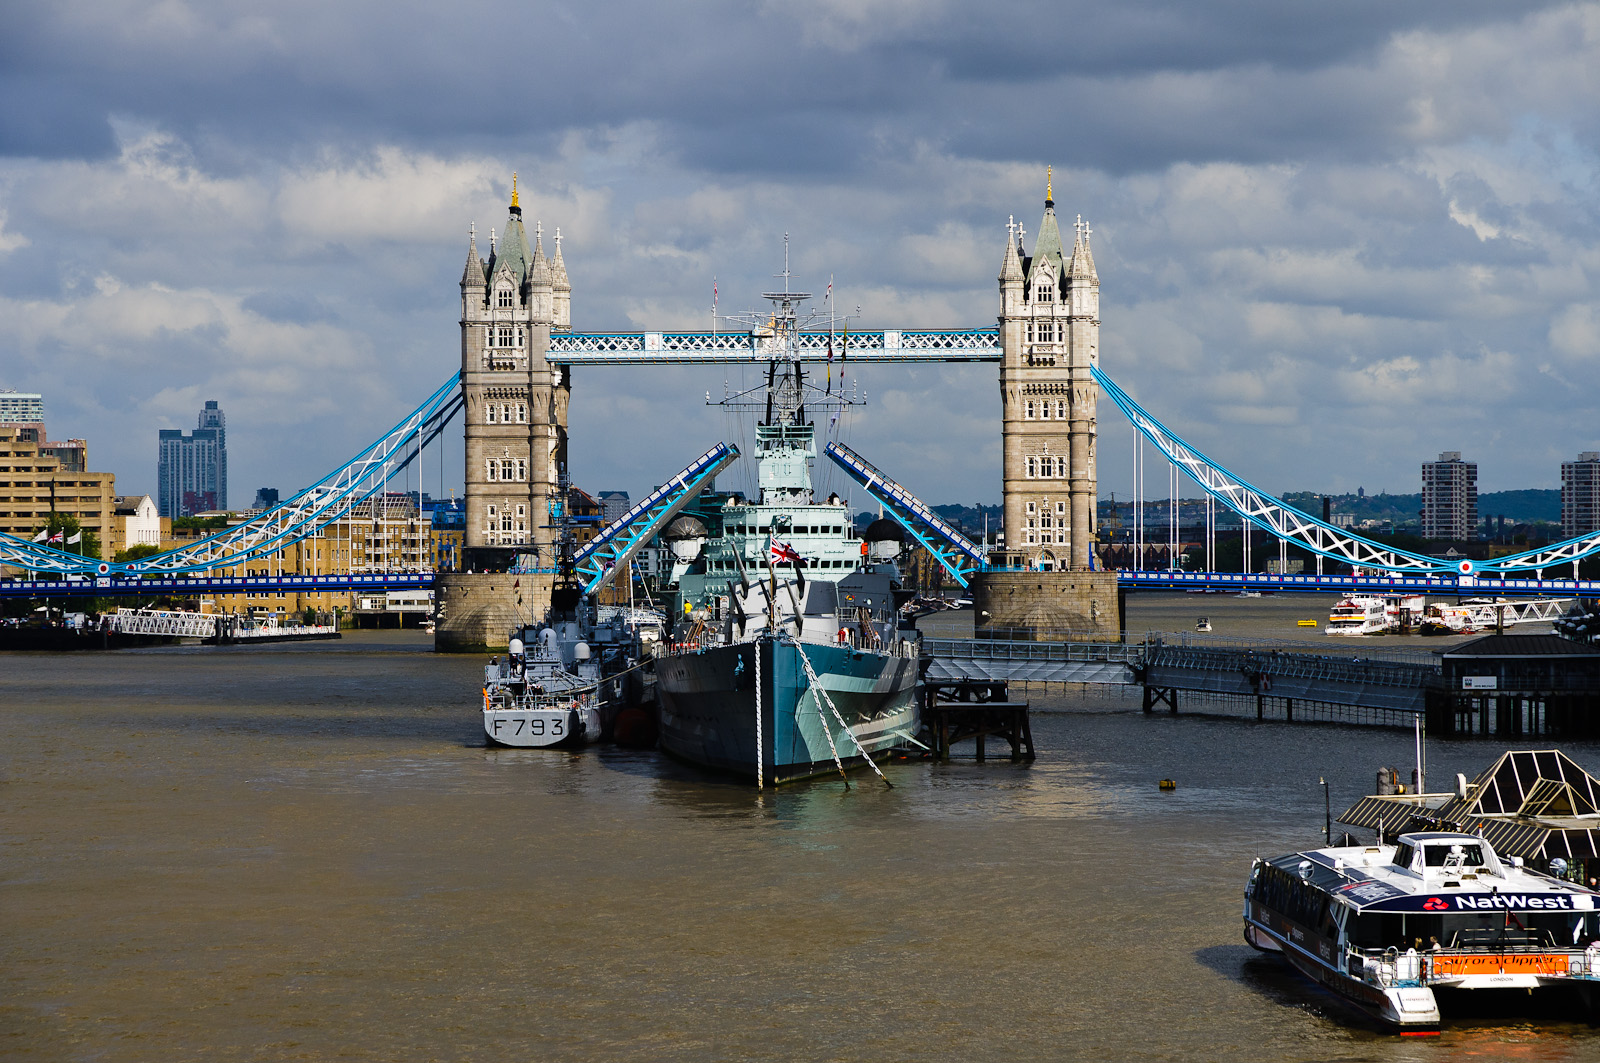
[512, 392]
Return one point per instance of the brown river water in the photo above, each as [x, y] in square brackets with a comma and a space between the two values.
[306, 852]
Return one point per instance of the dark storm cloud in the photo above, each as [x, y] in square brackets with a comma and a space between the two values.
[741, 87]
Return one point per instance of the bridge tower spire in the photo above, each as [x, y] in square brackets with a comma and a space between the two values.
[1049, 337]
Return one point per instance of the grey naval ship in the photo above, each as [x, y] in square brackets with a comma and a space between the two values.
[786, 659]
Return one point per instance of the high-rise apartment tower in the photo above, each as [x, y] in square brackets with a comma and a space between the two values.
[1449, 497]
[1580, 495]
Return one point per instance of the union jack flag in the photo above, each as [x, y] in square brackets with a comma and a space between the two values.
[783, 553]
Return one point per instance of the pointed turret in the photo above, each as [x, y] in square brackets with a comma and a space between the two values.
[539, 266]
[558, 269]
[1047, 253]
[472, 275]
[561, 295]
[1011, 264]
[1082, 269]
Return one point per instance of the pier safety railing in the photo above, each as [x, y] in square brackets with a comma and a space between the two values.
[1006, 650]
[1275, 665]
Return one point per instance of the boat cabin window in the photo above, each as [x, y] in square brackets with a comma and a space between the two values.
[1403, 855]
[1439, 855]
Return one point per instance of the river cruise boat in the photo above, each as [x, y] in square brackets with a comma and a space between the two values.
[1358, 615]
[1396, 930]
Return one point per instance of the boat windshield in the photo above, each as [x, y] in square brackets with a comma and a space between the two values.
[1439, 855]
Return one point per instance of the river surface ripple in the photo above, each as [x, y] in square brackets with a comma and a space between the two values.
[306, 852]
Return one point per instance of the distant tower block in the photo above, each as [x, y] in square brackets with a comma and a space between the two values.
[516, 401]
[1049, 337]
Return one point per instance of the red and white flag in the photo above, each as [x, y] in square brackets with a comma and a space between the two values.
[58, 537]
[783, 553]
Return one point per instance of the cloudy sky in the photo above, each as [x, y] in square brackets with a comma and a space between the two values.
[1332, 239]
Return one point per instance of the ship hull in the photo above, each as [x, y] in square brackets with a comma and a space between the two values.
[709, 699]
[1411, 1011]
[551, 728]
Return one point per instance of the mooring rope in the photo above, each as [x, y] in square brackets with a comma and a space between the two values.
[761, 768]
[822, 695]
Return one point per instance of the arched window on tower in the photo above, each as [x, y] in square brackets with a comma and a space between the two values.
[1029, 415]
[489, 410]
[522, 521]
[1046, 291]
[522, 413]
[1061, 411]
[502, 297]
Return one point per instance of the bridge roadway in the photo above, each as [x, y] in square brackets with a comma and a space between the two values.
[185, 586]
[1442, 585]
[1166, 666]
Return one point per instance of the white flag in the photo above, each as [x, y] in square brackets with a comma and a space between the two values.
[75, 537]
[44, 533]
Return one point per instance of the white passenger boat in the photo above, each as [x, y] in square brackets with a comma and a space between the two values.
[543, 695]
[1358, 615]
[1397, 929]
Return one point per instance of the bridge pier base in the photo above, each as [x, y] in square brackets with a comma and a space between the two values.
[1046, 605]
[474, 612]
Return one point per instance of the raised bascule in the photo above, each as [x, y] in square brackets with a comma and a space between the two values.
[512, 391]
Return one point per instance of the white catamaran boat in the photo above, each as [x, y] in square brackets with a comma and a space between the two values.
[1396, 929]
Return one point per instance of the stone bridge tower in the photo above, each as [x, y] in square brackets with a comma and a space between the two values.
[1049, 337]
[516, 434]
[516, 401]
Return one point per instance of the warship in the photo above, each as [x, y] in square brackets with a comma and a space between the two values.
[787, 659]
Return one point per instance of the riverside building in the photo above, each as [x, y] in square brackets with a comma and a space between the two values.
[34, 484]
[389, 533]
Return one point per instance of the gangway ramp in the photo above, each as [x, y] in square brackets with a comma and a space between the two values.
[1001, 660]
